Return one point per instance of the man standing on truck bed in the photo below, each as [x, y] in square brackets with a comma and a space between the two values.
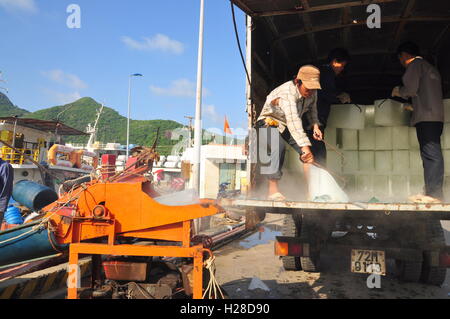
[281, 119]
[329, 94]
[422, 83]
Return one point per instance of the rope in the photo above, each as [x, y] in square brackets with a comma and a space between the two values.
[213, 286]
[333, 148]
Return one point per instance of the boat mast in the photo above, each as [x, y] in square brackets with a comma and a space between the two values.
[93, 130]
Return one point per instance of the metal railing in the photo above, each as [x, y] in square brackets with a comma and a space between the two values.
[18, 157]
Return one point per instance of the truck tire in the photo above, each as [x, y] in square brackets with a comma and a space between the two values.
[291, 227]
[433, 275]
[409, 271]
[312, 262]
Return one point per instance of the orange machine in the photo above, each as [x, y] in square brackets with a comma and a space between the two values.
[97, 217]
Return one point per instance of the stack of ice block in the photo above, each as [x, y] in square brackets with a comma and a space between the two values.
[382, 156]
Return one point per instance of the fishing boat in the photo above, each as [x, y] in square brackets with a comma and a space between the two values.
[30, 145]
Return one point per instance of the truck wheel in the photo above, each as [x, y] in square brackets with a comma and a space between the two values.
[409, 271]
[312, 262]
[291, 226]
[433, 275]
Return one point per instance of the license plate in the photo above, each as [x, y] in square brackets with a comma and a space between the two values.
[369, 262]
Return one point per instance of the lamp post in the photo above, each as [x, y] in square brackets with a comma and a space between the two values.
[129, 111]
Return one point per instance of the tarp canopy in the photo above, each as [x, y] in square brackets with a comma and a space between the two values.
[43, 125]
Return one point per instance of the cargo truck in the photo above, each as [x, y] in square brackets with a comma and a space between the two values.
[380, 154]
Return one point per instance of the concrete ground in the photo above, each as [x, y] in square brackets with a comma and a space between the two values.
[240, 261]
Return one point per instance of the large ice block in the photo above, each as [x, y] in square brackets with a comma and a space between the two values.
[416, 184]
[331, 136]
[415, 162]
[381, 186]
[364, 184]
[383, 138]
[370, 116]
[350, 184]
[350, 162]
[347, 116]
[446, 154]
[447, 189]
[334, 162]
[391, 113]
[349, 140]
[413, 141]
[400, 162]
[367, 161]
[383, 161]
[399, 187]
[446, 137]
[400, 138]
[367, 139]
[447, 110]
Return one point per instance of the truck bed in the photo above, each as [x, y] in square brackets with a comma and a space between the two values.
[354, 209]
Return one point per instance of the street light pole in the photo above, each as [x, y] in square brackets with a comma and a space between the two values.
[198, 107]
[129, 112]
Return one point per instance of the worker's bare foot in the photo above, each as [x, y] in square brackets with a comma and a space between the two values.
[277, 197]
[424, 199]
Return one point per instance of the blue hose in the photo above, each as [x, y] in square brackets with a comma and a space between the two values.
[13, 216]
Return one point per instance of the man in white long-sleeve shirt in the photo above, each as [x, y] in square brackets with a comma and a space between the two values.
[281, 119]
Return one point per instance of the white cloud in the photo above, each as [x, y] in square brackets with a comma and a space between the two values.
[210, 112]
[158, 42]
[180, 88]
[63, 98]
[19, 5]
[66, 79]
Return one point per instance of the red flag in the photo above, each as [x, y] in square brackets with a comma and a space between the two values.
[226, 127]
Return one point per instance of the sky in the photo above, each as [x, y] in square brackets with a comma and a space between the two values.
[46, 63]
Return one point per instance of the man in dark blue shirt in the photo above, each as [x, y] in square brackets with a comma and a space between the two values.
[336, 63]
[6, 186]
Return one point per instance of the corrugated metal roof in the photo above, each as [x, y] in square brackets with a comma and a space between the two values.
[43, 125]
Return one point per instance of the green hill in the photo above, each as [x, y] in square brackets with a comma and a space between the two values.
[9, 109]
[112, 126]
